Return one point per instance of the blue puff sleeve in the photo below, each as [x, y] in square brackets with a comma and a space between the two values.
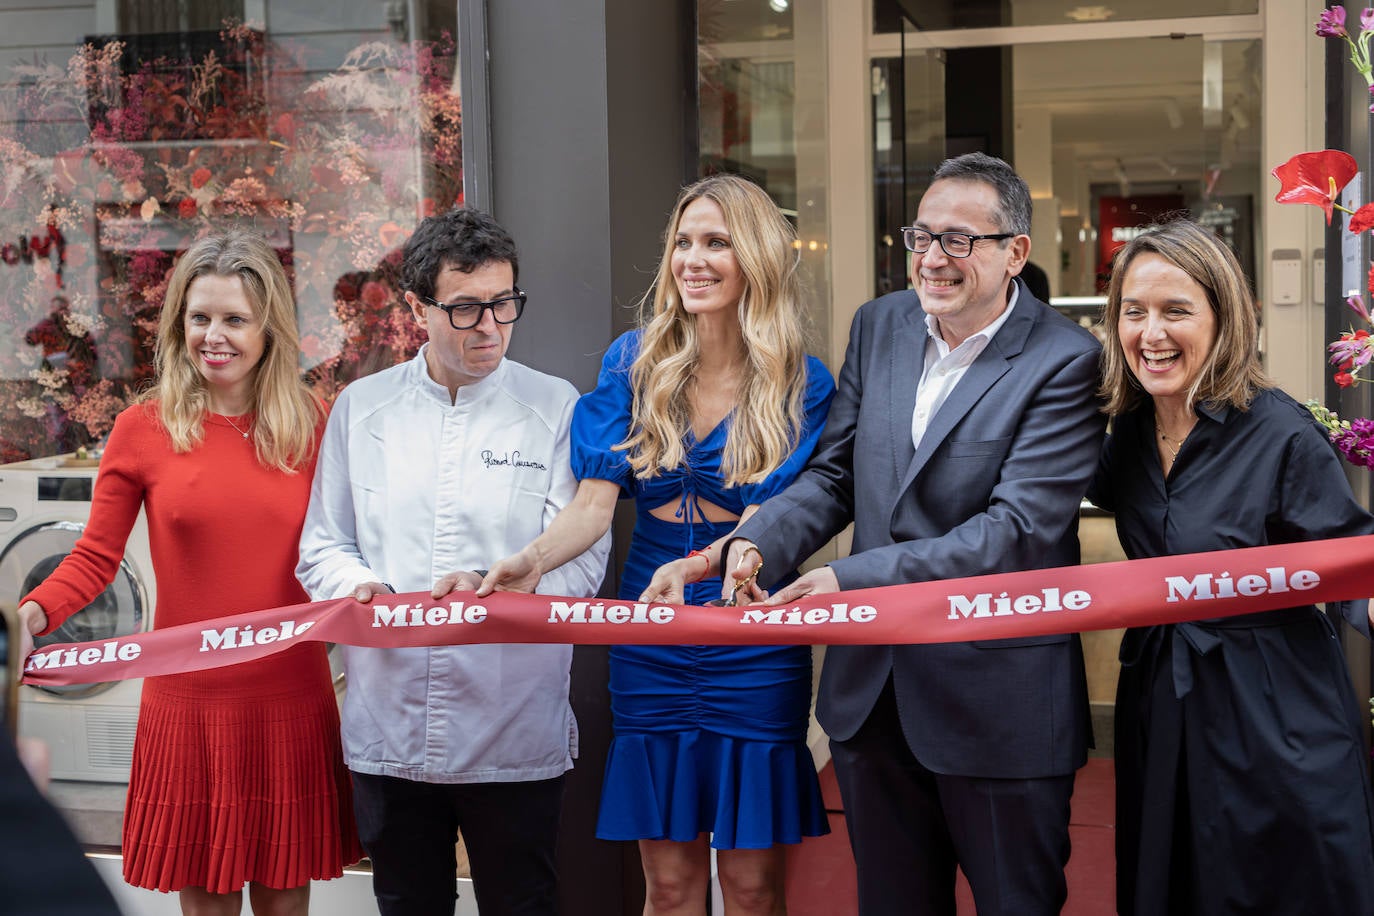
[820, 388]
[602, 418]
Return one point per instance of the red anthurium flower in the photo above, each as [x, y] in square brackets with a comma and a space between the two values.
[1362, 219]
[1315, 178]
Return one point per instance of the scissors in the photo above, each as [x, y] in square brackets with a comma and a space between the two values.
[740, 584]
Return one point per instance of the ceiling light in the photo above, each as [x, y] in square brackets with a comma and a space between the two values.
[1165, 165]
[1090, 14]
[778, 6]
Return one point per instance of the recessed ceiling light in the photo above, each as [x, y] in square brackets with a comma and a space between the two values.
[1090, 13]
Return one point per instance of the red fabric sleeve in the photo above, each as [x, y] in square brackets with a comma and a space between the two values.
[119, 489]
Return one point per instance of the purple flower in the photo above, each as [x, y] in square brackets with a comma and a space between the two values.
[1331, 23]
[1357, 442]
[1352, 349]
[1356, 304]
[1367, 19]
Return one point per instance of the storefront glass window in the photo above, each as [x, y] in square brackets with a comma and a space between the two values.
[1165, 128]
[762, 94]
[938, 15]
[149, 123]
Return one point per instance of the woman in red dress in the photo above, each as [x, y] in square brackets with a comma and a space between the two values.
[238, 776]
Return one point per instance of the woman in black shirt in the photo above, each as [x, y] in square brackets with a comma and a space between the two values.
[1241, 777]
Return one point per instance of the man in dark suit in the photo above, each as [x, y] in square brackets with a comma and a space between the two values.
[962, 437]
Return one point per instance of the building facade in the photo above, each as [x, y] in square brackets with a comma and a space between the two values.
[128, 126]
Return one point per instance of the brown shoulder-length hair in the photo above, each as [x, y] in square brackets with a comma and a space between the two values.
[286, 413]
[1232, 374]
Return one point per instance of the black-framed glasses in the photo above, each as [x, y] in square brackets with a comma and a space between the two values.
[465, 315]
[954, 244]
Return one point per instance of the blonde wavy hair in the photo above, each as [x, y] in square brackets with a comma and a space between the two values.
[1231, 373]
[760, 438]
[286, 412]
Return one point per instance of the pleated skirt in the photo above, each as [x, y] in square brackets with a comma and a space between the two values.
[238, 777]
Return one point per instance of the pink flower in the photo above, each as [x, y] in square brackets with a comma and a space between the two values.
[1356, 304]
[1331, 23]
[1367, 19]
[1352, 348]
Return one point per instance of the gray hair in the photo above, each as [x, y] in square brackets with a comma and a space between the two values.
[1013, 212]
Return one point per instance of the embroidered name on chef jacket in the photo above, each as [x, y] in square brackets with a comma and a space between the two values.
[510, 460]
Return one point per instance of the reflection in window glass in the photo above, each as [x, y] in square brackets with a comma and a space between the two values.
[938, 15]
[331, 135]
[761, 103]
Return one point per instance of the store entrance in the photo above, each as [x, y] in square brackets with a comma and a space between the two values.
[1110, 134]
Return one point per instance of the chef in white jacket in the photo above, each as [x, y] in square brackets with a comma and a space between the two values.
[436, 468]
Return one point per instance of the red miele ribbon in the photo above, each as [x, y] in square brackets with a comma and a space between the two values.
[1006, 605]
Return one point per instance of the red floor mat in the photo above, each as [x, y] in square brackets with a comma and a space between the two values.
[820, 872]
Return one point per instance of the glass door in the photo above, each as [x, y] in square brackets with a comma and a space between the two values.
[909, 142]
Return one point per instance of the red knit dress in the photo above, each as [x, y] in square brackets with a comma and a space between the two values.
[238, 772]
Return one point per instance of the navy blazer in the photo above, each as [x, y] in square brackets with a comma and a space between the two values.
[994, 487]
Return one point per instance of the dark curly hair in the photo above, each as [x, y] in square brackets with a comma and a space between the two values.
[462, 238]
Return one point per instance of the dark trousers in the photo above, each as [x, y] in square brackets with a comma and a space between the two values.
[510, 829]
[911, 827]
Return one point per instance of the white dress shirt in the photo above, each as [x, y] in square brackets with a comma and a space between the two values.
[944, 367]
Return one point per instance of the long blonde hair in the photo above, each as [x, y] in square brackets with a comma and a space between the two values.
[760, 438]
[1232, 373]
[286, 412]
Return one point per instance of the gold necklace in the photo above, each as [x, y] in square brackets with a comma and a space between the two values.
[1173, 445]
[236, 427]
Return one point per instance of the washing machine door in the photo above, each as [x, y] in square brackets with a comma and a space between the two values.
[117, 611]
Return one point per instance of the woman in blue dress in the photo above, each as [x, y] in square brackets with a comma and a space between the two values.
[708, 410]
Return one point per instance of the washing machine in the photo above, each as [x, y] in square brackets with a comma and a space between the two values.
[44, 506]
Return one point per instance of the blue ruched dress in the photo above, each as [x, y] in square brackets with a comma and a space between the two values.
[707, 738]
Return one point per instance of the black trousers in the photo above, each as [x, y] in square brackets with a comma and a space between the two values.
[911, 827]
[510, 829]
